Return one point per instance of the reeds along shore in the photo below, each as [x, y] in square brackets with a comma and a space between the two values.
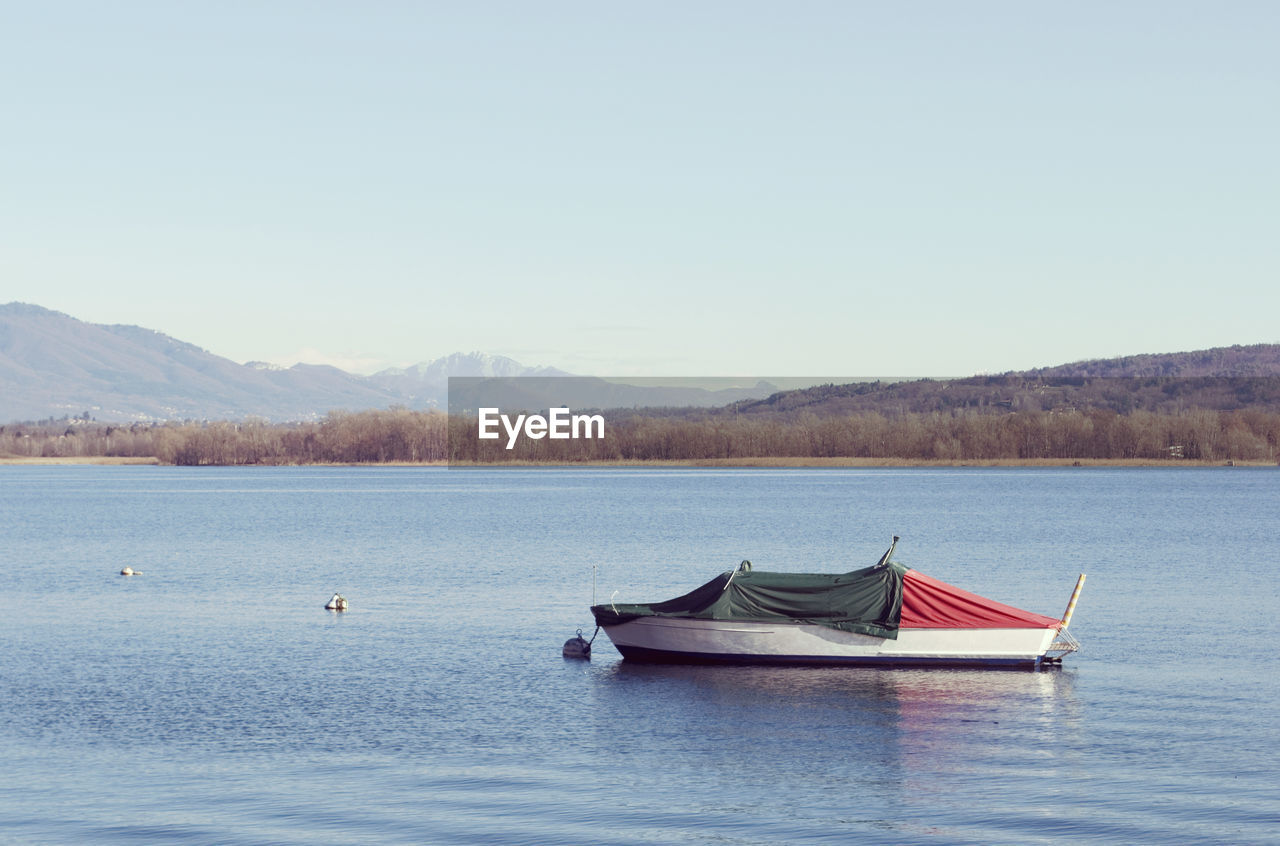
[403, 436]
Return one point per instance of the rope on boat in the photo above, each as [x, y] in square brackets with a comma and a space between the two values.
[744, 567]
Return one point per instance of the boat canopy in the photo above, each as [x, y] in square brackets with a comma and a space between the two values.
[874, 601]
[865, 601]
[931, 604]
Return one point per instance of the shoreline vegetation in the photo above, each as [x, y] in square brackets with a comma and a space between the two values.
[1086, 438]
[761, 463]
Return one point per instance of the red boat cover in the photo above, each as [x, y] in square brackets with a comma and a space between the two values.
[930, 604]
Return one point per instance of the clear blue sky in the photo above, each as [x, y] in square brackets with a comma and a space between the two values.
[714, 188]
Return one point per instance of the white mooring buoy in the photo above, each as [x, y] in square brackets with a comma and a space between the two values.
[129, 571]
[337, 602]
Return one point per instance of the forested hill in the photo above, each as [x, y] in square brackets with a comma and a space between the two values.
[1221, 379]
[1009, 417]
[1253, 360]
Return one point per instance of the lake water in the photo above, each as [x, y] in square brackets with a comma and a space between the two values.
[213, 700]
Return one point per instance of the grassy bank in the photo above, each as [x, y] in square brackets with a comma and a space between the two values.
[785, 462]
[761, 462]
[87, 459]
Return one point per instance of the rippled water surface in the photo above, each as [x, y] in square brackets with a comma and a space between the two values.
[213, 700]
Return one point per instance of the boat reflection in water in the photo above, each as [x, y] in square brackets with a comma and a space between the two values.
[886, 748]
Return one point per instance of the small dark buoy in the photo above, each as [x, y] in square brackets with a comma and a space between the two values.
[577, 647]
[337, 602]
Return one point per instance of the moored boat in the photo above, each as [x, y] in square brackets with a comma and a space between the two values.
[887, 614]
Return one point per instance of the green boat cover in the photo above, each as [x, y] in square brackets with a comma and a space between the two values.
[867, 601]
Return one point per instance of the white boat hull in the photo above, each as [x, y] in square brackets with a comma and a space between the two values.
[716, 641]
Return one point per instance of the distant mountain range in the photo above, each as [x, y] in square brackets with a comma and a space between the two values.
[53, 366]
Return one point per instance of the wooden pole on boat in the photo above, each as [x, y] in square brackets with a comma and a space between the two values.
[1071, 606]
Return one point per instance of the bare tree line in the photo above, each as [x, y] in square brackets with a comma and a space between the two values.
[1197, 435]
[401, 435]
[367, 437]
